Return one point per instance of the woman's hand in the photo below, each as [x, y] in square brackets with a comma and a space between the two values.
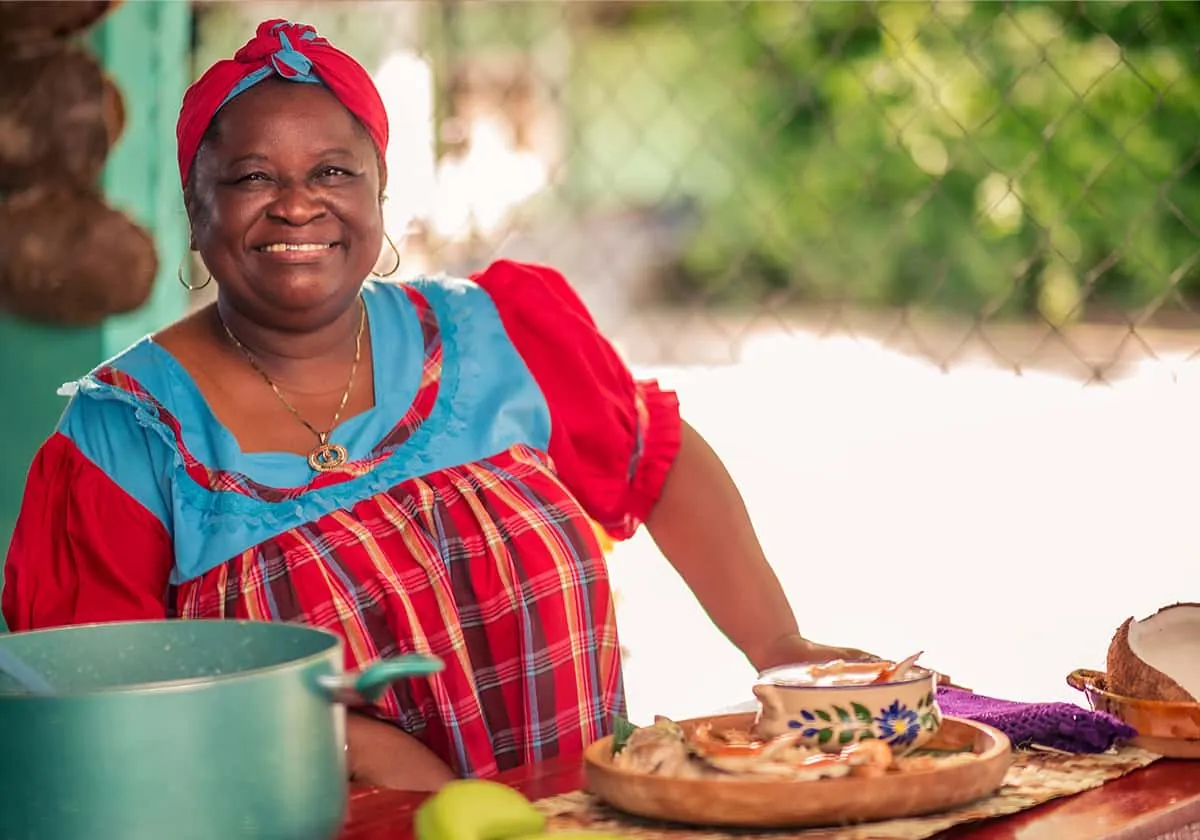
[384, 755]
[794, 649]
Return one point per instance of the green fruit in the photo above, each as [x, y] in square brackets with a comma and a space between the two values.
[476, 809]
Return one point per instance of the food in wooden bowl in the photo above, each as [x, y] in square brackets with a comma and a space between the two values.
[702, 751]
[1153, 680]
[714, 771]
[832, 705]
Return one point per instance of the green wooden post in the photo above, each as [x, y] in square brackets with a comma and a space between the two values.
[146, 47]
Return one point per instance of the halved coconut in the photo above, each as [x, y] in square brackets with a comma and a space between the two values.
[1158, 658]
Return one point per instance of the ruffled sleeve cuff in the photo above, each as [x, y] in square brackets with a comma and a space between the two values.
[659, 430]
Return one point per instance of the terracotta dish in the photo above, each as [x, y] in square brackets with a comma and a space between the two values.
[1169, 729]
[751, 803]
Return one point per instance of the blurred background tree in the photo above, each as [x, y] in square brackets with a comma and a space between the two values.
[983, 159]
[988, 158]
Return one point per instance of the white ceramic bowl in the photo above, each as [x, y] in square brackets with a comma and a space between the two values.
[903, 712]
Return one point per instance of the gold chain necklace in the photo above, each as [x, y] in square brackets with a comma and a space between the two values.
[326, 456]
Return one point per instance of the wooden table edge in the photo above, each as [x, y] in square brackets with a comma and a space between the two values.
[1145, 804]
[1142, 805]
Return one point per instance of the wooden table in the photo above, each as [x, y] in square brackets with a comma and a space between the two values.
[1162, 800]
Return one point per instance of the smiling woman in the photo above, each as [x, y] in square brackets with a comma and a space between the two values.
[416, 467]
[295, 183]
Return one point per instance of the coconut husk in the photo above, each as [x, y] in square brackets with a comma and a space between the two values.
[68, 258]
[1129, 676]
[113, 108]
[59, 116]
[24, 22]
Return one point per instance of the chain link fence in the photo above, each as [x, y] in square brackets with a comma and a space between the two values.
[953, 179]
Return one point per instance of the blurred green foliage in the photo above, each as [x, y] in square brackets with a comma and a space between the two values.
[981, 157]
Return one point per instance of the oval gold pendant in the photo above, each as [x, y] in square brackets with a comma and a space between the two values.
[327, 456]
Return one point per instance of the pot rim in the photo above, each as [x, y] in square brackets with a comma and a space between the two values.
[184, 683]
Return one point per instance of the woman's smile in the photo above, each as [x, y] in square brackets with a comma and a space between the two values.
[294, 253]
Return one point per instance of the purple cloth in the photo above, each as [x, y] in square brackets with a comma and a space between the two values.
[1061, 726]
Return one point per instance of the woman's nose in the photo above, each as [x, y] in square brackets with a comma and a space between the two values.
[296, 204]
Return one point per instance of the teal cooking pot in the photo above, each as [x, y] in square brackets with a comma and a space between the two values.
[181, 730]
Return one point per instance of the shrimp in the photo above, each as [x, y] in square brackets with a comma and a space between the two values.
[732, 751]
[783, 756]
[727, 743]
[871, 758]
[899, 669]
[842, 672]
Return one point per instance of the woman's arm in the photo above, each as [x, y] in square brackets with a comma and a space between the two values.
[84, 550]
[384, 755]
[701, 525]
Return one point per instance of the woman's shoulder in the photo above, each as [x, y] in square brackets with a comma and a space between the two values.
[457, 309]
[137, 369]
[395, 298]
[539, 293]
[111, 420]
[130, 402]
[538, 286]
[140, 376]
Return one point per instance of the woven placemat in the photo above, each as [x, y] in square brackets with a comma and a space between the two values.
[1034, 778]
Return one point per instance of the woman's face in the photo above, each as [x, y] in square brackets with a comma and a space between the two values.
[284, 204]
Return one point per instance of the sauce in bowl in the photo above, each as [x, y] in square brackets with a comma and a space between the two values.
[836, 673]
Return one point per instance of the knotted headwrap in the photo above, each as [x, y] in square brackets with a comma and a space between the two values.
[292, 51]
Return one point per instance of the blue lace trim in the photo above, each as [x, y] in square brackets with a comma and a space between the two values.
[226, 510]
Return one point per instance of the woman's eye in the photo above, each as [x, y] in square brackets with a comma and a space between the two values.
[252, 176]
[333, 172]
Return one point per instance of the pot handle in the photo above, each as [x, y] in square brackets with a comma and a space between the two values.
[1084, 679]
[357, 688]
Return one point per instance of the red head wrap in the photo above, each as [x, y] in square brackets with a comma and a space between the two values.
[292, 51]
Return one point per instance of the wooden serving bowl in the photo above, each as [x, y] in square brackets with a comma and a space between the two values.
[754, 803]
[1169, 729]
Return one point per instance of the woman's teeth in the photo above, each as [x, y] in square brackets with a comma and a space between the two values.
[279, 246]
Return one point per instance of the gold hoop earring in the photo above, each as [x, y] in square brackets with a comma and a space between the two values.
[395, 252]
[186, 284]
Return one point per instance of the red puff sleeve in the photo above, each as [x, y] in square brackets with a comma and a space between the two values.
[613, 438]
[83, 550]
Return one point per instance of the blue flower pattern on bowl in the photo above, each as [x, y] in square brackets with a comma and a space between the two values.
[896, 724]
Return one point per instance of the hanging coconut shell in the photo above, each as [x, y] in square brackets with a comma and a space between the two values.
[113, 108]
[25, 22]
[59, 117]
[1158, 658]
[68, 258]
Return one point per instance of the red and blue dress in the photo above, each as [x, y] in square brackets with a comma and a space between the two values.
[504, 427]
